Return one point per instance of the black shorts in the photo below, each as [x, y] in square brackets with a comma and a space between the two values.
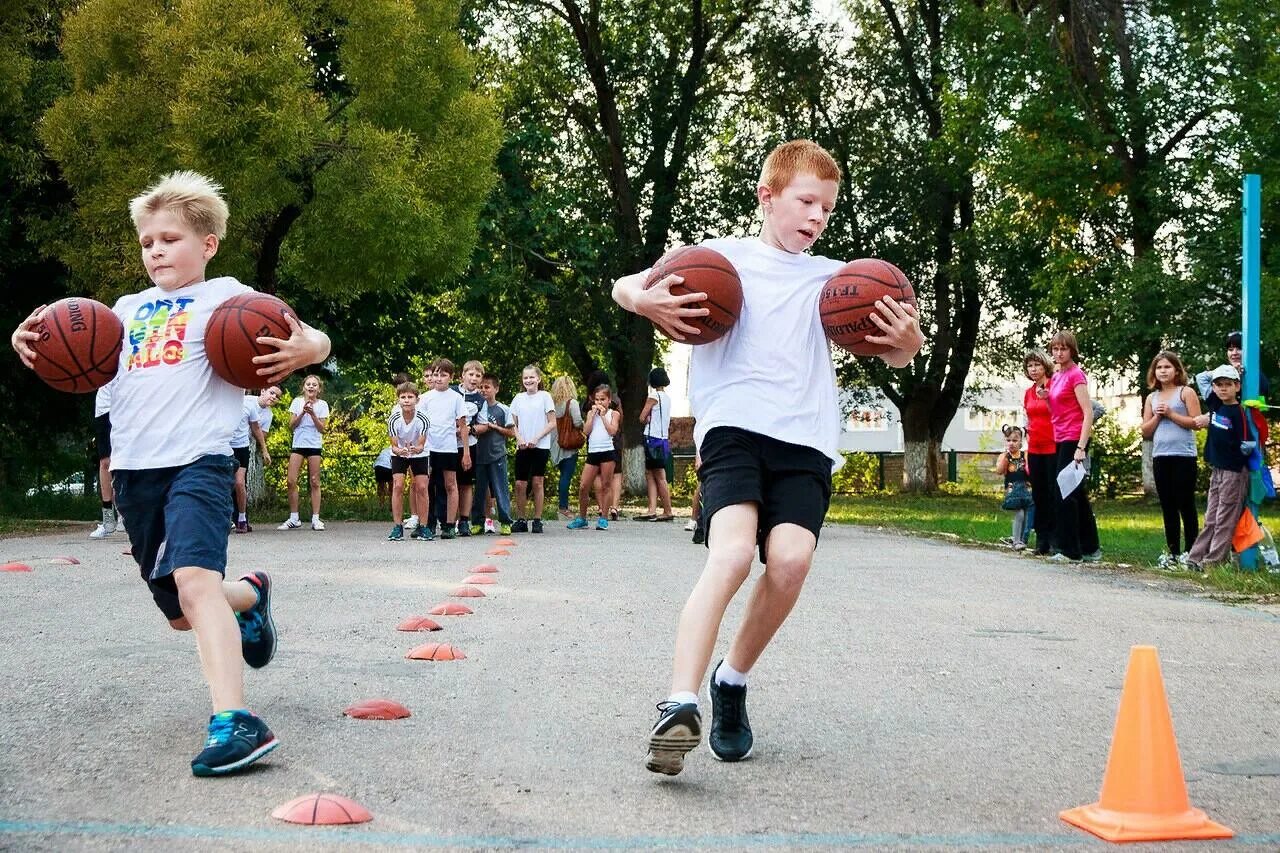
[382, 475]
[420, 465]
[445, 461]
[467, 476]
[307, 452]
[790, 483]
[599, 458]
[242, 456]
[102, 435]
[531, 462]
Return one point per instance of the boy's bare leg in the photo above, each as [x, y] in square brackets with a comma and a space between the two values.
[397, 498]
[242, 495]
[204, 603]
[418, 495]
[537, 498]
[521, 487]
[451, 497]
[241, 595]
[733, 545]
[788, 554]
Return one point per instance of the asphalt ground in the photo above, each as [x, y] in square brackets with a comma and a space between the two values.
[923, 695]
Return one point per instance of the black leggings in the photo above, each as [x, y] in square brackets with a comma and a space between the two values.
[1176, 486]
[1076, 531]
[1044, 492]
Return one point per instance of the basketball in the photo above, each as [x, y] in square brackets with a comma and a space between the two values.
[79, 345]
[849, 298]
[231, 339]
[704, 271]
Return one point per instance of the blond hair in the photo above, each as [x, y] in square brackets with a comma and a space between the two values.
[1068, 340]
[797, 157]
[473, 365]
[192, 197]
[563, 390]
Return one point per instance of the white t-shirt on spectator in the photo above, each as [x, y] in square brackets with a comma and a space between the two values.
[600, 440]
[102, 400]
[659, 416]
[384, 459]
[305, 434]
[251, 413]
[409, 433]
[530, 411]
[168, 407]
[443, 409]
[772, 373]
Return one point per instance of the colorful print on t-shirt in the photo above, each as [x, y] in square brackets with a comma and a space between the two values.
[158, 331]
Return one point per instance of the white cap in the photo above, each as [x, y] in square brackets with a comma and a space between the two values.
[1224, 371]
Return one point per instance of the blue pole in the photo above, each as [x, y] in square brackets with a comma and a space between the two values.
[1251, 302]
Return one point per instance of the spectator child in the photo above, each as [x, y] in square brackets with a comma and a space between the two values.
[1225, 450]
[1012, 463]
[171, 462]
[534, 414]
[309, 418]
[382, 475]
[656, 416]
[1169, 422]
[447, 413]
[408, 428]
[563, 394]
[102, 443]
[493, 428]
[473, 403]
[255, 423]
[601, 424]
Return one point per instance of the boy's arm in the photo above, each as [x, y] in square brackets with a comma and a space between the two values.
[659, 305]
[261, 439]
[899, 324]
[463, 434]
[25, 335]
[305, 345]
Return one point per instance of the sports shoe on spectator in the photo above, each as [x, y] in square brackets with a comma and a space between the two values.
[411, 522]
[578, 523]
[1095, 557]
[602, 524]
[290, 524]
[236, 740]
[521, 526]
[1166, 561]
[242, 527]
[505, 529]
[317, 524]
[536, 527]
[489, 526]
[464, 527]
[397, 533]
[690, 526]
[1060, 557]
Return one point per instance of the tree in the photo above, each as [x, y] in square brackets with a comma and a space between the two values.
[350, 167]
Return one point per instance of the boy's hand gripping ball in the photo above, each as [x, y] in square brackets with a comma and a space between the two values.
[849, 299]
[78, 348]
[704, 271]
[231, 338]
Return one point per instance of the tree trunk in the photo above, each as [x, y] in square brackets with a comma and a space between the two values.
[920, 469]
[255, 479]
[1148, 472]
[633, 470]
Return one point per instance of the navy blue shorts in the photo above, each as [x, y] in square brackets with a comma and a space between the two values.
[177, 517]
[790, 483]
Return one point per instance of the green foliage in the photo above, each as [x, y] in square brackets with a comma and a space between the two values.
[1116, 453]
[350, 167]
[859, 475]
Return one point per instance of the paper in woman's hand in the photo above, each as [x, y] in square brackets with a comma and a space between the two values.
[1070, 478]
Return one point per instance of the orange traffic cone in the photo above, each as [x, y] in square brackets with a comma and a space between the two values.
[1144, 794]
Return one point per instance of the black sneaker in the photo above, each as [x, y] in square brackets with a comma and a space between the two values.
[446, 531]
[699, 535]
[257, 628]
[678, 730]
[236, 740]
[730, 738]
[416, 533]
[537, 526]
[464, 527]
[520, 526]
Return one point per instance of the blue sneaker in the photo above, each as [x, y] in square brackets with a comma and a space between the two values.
[257, 628]
[397, 533]
[236, 740]
[578, 523]
[602, 523]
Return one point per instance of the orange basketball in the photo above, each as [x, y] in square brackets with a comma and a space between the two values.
[79, 345]
[704, 271]
[231, 338]
[849, 298]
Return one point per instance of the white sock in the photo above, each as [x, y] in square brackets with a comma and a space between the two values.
[315, 516]
[726, 674]
[685, 698]
[242, 517]
[293, 516]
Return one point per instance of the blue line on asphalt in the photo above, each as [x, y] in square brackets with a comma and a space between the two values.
[365, 837]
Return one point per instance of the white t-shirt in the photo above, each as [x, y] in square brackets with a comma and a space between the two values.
[600, 441]
[530, 411]
[659, 416]
[410, 433]
[251, 413]
[384, 458]
[305, 434]
[102, 400]
[168, 407]
[443, 410]
[772, 373]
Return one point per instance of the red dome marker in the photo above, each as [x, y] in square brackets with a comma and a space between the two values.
[485, 569]
[64, 561]
[418, 623]
[479, 579]
[498, 552]
[467, 592]
[504, 542]
[436, 651]
[23, 567]
[377, 709]
[450, 608]
[321, 809]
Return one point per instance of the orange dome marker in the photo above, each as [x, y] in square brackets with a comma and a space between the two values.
[64, 561]
[418, 623]
[485, 569]
[479, 579]
[377, 709]
[1144, 794]
[436, 651]
[466, 592]
[450, 608]
[15, 567]
[503, 543]
[322, 809]
[497, 552]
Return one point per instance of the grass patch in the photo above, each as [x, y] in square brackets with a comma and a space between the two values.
[11, 527]
[1131, 530]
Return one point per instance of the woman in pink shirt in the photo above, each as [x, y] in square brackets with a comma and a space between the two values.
[1041, 449]
[1071, 411]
